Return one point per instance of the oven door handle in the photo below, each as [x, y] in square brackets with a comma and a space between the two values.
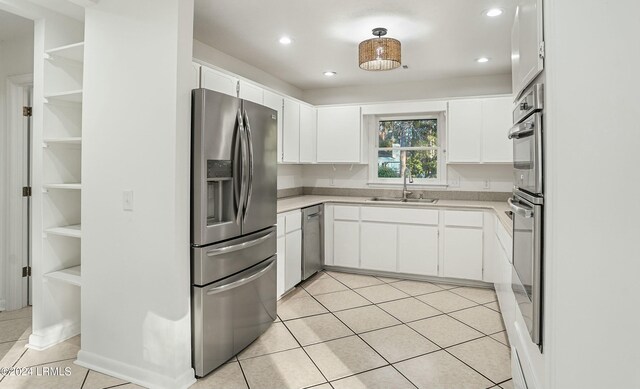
[521, 130]
[525, 212]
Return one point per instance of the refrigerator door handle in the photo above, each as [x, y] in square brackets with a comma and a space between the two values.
[247, 203]
[244, 280]
[239, 246]
[244, 154]
[237, 181]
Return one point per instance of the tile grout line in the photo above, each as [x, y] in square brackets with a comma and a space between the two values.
[246, 381]
[85, 378]
[306, 353]
[471, 367]
[365, 342]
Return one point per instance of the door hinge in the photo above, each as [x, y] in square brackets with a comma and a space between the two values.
[541, 50]
[238, 89]
[26, 191]
[26, 271]
[26, 111]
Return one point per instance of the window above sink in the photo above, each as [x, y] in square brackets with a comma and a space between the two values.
[408, 143]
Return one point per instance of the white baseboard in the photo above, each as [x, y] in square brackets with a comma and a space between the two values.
[50, 336]
[136, 375]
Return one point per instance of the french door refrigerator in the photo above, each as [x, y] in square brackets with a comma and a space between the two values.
[233, 218]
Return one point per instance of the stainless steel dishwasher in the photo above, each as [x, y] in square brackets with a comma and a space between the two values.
[312, 240]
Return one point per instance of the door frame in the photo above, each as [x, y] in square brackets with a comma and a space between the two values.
[17, 173]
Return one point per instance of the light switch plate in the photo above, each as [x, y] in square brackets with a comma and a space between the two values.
[127, 200]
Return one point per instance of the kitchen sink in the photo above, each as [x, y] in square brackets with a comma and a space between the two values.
[401, 200]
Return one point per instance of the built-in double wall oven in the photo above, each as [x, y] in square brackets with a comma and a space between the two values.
[527, 205]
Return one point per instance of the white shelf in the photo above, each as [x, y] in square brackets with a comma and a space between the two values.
[73, 96]
[70, 231]
[69, 141]
[74, 52]
[69, 275]
[63, 186]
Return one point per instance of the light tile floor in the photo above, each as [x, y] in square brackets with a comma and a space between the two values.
[337, 330]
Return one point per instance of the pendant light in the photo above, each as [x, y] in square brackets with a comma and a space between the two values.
[379, 53]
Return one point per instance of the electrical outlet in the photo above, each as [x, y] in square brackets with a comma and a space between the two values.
[487, 183]
[454, 182]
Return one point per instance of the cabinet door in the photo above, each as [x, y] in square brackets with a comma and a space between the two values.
[526, 40]
[291, 130]
[465, 131]
[463, 253]
[418, 250]
[346, 243]
[280, 266]
[275, 101]
[308, 133]
[251, 92]
[218, 81]
[339, 134]
[379, 244]
[293, 257]
[195, 74]
[496, 122]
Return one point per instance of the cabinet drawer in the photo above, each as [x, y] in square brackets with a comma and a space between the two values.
[400, 215]
[345, 212]
[281, 228]
[293, 221]
[463, 218]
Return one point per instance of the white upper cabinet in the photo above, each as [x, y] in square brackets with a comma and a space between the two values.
[291, 131]
[339, 134]
[464, 136]
[275, 102]
[478, 131]
[251, 92]
[527, 45]
[308, 133]
[195, 75]
[496, 122]
[218, 81]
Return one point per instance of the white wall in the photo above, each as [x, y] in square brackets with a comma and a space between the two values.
[430, 89]
[592, 258]
[16, 58]
[224, 61]
[470, 177]
[136, 321]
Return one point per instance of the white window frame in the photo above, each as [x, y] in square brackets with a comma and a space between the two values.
[441, 181]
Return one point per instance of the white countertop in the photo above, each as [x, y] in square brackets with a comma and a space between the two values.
[297, 202]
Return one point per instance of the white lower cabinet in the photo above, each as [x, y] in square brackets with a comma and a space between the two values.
[289, 251]
[462, 253]
[293, 256]
[346, 243]
[418, 250]
[379, 246]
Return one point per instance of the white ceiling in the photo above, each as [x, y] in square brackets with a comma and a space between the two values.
[14, 27]
[440, 38]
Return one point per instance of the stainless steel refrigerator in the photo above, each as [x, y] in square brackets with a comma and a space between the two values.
[233, 218]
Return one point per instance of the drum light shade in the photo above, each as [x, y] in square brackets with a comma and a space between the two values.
[380, 53]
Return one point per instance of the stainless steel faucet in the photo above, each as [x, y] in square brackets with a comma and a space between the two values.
[406, 192]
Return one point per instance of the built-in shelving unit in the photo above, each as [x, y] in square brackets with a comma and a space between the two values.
[57, 188]
[69, 275]
[62, 186]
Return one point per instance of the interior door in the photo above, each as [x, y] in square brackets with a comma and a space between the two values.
[26, 201]
[260, 204]
[216, 168]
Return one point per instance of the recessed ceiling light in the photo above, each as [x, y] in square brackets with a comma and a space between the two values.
[493, 12]
[285, 40]
[482, 60]
[329, 73]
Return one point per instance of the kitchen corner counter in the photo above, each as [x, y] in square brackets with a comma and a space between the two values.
[291, 203]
